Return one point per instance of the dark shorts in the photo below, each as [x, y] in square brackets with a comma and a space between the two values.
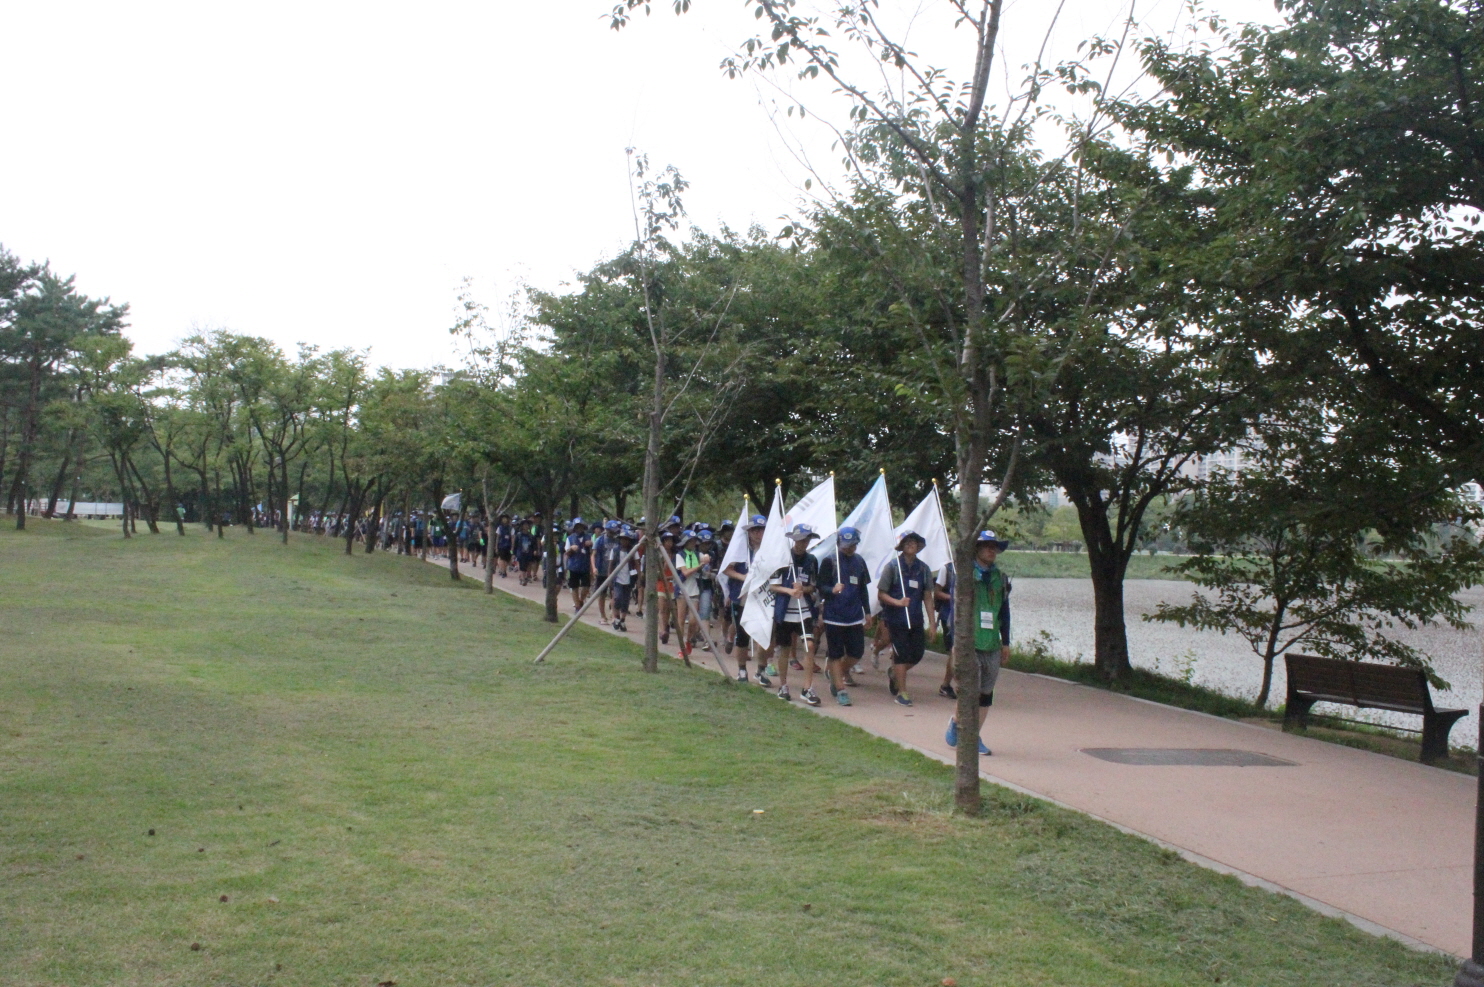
[578, 580]
[842, 642]
[784, 631]
[503, 555]
[741, 639]
[908, 643]
[622, 592]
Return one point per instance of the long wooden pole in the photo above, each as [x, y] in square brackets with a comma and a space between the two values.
[583, 609]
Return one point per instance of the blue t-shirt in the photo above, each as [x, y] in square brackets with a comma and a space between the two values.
[578, 561]
[851, 605]
[909, 580]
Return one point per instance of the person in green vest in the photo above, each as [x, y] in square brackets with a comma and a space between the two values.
[991, 627]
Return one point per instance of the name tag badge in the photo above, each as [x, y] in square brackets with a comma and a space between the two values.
[851, 580]
[911, 584]
[986, 620]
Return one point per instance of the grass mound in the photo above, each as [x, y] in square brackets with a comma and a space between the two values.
[238, 762]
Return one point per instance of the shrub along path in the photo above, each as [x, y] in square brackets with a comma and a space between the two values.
[1383, 839]
[354, 775]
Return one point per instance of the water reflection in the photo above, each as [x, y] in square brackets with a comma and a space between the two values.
[1063, 607]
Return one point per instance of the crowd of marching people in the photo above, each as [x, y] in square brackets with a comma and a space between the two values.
[826, 605]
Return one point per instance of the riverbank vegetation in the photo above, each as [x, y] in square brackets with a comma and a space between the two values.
[231, 761]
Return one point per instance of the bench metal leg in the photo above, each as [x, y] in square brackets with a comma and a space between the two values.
[1435, 731]
[1296, 713]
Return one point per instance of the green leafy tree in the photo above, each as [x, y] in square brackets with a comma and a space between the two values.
[1327, 550]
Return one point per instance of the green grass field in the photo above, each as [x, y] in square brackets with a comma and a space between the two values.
[1073, 565]
[354, 775]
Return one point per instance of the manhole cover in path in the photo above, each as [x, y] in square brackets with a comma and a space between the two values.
[1203, 757]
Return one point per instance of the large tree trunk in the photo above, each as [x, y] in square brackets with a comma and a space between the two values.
[549, 537]
[151, 498]
[61, 477]
[170, 495]
[1110, 634]
[373, 530]
[72, 497]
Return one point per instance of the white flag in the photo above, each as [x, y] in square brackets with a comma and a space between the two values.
[927, 520]
[771, 555]
[737, 547]
[872, 518]
[453, 501]
[816, 509]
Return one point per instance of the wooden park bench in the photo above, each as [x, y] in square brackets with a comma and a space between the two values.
[1369, 686]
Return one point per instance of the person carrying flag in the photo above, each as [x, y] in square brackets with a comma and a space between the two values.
[991, 627]
[904, 580]
[734, 575]
[794, 587]
[844, 579]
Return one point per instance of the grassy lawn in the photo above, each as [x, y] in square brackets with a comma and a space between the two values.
[1073, 565]
[353, 774]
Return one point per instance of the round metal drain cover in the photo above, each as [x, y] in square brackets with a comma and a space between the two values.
[1201, 757]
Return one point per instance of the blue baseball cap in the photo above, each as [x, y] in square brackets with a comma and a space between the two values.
[674, 519]
[627, 532]
[987, 537]
[610, 526]
[849, 536]
[802, 532]
[577, 520]
[757, 521]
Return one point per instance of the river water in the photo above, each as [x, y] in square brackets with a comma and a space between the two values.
[1064, 609]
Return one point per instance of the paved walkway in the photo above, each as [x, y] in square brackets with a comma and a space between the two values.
[1386, 842]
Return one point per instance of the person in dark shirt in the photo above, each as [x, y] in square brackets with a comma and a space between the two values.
[504, 544]
[904, 581]
[794, 587]
[578, 559]
[844, 582]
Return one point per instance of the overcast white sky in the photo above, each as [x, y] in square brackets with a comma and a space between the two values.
[329, 172]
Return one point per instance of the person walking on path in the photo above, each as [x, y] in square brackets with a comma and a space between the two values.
[503, 544]
[991, 627]
[794, 587]
[844, 580]
[904, 580]
[943, 598]
[578, 557]
[605, 553]
[625, 576]
[689, 561]
[733, 576]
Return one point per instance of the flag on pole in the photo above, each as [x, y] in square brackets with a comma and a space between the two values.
[816, 509]
[927, 520]
[737, 547]
[872, 518]
[453, 501]
[771, 555]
